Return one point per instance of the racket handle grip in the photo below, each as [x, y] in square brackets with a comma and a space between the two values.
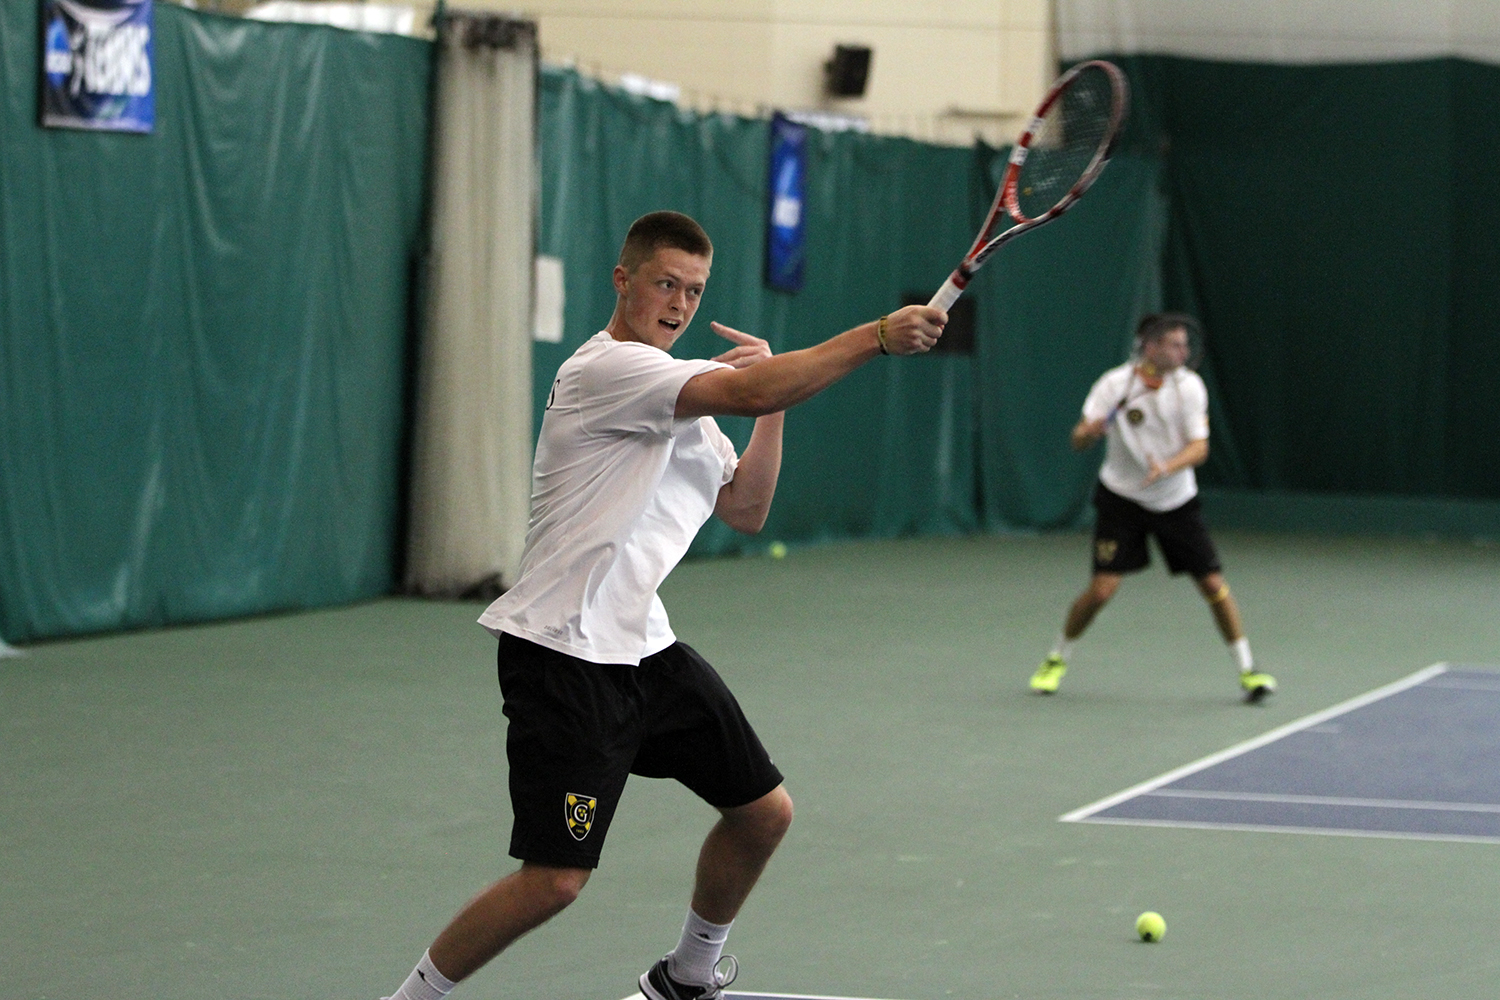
[947, 295]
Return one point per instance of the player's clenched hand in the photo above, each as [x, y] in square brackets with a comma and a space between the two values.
[914, 329]
[748, 348]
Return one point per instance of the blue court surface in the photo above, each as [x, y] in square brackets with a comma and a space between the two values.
[1414, 759]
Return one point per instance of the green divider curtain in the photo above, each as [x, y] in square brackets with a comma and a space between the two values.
[203, 330]
[1335, 228]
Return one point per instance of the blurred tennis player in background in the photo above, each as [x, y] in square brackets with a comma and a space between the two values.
[1152, 413]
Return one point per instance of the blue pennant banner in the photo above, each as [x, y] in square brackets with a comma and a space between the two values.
[96, 65]
[784, 219]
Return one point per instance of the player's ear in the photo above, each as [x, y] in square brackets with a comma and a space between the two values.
[621, 278]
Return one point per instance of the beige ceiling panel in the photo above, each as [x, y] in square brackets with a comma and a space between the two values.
[687, 10]
[704, 57]
[972, 15]
[1026, 68]
[912, 70]
[1035, 15]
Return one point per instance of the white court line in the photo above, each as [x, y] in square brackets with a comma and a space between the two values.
[1322, 800]
[1396, 687]
[1330, 831]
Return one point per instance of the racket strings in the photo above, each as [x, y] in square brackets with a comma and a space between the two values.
[1070, 137]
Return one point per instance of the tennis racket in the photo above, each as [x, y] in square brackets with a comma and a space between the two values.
[1125, 397]
[1054, 162]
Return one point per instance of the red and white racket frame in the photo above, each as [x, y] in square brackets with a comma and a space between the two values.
[1006, 199]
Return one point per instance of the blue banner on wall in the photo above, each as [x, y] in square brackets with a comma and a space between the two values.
[96, 65]
[784, 217]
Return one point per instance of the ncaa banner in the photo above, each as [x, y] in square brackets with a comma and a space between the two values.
[784, 222]
[96, 65]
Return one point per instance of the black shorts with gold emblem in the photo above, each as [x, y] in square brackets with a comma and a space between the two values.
[579, 729]
[1122, 525]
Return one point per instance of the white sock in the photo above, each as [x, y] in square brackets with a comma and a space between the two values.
[1063, 647]
[424, 983]
[1240, 650]
[695, 956]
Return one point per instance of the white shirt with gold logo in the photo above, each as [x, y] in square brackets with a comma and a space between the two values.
[1151, 424]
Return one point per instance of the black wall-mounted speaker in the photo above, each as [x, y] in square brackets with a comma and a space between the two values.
[847, 73]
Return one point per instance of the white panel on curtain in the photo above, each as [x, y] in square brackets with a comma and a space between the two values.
[1281, 31]
[471, 460]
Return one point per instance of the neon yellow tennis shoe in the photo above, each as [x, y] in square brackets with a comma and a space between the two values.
[1257, 686]
[1049, 675]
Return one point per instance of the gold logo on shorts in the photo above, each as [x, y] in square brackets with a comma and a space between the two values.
[580, 812]
[1105, 549]
[1135, 416]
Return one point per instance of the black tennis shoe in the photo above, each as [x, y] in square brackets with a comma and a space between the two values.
[656, 984]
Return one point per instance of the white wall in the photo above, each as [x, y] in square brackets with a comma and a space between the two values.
[942, 69]
[1298, 31]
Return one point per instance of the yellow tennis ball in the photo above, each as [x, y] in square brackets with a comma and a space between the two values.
[1150, 926]
[778, 550]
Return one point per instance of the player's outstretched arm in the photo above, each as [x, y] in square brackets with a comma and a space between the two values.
[779, 382]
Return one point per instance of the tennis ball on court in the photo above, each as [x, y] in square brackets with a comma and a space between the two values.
[1150, 926]
[778, 550]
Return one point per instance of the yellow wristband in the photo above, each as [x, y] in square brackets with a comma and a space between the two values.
[880, 336]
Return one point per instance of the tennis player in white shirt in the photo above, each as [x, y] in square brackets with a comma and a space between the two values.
[1152, 413]
[629, 465]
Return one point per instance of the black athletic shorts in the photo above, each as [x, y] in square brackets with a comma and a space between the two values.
[1122, 525]
[579, 729]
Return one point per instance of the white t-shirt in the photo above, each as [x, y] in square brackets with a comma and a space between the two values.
[619, 488]
[1153, 424]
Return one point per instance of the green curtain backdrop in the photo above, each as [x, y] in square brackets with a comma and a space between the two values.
[203, 331]
[1335, 228]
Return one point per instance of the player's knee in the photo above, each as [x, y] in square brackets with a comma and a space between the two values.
[1102, 588]
[765, 821]
[559, 887]
[780, 819]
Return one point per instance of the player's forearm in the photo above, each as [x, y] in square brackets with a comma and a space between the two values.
[1086, 433]
[745, 502]
[785, 380]
[1191, 456]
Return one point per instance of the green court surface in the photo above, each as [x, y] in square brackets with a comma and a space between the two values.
[292, 806]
